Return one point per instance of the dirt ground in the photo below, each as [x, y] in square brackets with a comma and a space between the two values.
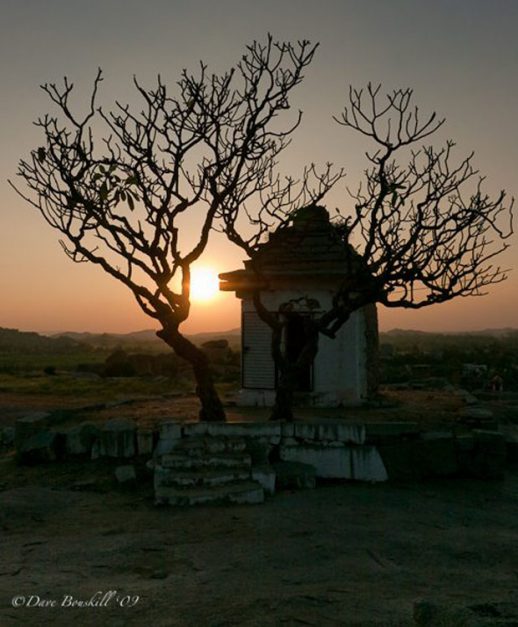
[350, 554]
[343, 554]
[433, 408]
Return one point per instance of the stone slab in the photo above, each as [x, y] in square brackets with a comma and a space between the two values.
[208, 444]
[246, 492]
[216, 460]
[368, 465]
[170, 430]
[244, 429]
[341, 432]
[80, 439]
[265, 476]
[329, 462]
[117, 438]
[199, 477]
[145, 442]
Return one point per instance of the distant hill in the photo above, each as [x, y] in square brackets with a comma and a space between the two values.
[482, 332]
[14, 341]
[145, 340]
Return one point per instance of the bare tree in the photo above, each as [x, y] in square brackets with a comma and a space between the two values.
[421, 230]
[124, 203]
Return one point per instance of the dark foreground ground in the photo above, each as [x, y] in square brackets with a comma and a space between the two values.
[338, 555]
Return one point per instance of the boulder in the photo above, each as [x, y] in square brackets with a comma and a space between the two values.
[7, 437]
[125, 474]
[39, 448]
[79, 440]
[30, 425]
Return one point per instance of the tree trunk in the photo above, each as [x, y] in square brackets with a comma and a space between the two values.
[283, 406]
[211, 405]
[289, 370]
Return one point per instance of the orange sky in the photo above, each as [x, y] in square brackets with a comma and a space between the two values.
[460, 57]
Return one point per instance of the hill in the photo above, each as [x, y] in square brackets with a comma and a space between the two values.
[145, 339]
[14, 341]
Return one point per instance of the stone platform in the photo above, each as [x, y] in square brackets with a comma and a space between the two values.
[239, 462]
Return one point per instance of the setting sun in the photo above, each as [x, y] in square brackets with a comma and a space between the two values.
[204, 284]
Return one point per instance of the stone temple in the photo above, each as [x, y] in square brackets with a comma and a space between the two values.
[297, 273]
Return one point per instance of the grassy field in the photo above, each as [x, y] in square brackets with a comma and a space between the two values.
[22, 363]
[98, 389]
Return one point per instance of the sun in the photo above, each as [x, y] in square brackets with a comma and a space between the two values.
[204, 284]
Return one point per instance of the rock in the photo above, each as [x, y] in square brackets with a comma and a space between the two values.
[39, 448]
[305, 431]
[477, 413]
[342, 432]
[294, 475]
[367, 464]
[329, 462]
[259, 450]
[125, 474]
[29, 425]
[193, 428]
[244, 429]
[164, 447]
[243, 492]
[96, 450]
[183, 478]
[118, 438]
[79, 440]
[7, 436]
[467, 397]
[170, 431]
[145, 440]
[182, 460]
[265, 476]
[159, 574]
[287, 429]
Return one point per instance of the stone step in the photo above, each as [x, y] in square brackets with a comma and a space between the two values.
[186, 461]
[207, 444]
[204, 477]
[242, 492]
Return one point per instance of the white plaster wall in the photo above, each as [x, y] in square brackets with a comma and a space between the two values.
[339, 373]
[340, 364]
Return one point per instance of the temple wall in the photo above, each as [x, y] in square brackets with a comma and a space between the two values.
[340, 366]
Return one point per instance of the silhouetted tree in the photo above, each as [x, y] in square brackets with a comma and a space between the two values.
[420, 231]
[161, 176]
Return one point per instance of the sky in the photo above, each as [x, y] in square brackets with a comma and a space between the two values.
[459, 56]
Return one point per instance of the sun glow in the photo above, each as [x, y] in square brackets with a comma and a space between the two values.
[204, 284]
